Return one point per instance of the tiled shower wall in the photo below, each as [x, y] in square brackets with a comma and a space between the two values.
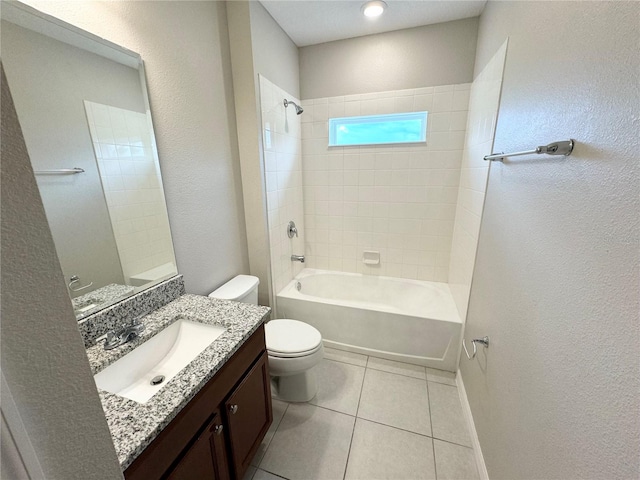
[132, 185]
[398, 200]
[282, 146]
[483, 111]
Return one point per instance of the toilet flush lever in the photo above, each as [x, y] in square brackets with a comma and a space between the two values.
[484, 341]
[292, 230]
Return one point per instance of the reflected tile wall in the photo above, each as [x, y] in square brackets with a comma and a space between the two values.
[398, 200]
[132, 185]
[282, 145]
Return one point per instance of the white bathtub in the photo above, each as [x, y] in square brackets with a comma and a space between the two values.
[394, 318]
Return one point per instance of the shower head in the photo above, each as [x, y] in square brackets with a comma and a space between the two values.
[299, 109]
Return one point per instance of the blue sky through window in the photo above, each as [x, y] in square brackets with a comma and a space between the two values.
[378, 129]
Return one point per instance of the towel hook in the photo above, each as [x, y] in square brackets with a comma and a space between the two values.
[484, 341]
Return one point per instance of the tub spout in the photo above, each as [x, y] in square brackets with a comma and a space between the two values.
[297, 258]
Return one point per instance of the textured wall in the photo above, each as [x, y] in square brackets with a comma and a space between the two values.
[556, 279]
[258, 47]
[185, 47]
[43, 357]
[440, 54]
[245, 90]
[274, 54]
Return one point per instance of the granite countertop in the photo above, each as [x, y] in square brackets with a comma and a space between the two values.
[100, 296]
[134, 425]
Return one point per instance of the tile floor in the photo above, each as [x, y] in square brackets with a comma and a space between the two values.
[372, 419]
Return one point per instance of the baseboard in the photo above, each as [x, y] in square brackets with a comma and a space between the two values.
[466, 409]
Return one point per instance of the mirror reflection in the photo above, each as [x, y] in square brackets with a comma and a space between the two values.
[93, 151]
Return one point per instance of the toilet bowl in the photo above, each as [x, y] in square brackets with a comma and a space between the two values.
[293, 347]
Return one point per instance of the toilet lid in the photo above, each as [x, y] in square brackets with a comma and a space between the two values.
[285, 336]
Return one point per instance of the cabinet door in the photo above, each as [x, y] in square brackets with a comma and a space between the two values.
[206, 458]
[249, 415]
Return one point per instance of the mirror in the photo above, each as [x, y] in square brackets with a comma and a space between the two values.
[84, 113]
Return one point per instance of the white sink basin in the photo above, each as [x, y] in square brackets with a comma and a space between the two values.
[165, 354]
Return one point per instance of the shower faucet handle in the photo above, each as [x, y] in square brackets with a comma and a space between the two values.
[292, 230]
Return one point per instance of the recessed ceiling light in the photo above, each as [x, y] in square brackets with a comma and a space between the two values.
[373, 8]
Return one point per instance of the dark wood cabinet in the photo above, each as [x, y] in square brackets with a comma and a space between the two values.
[200, 460]
[249, 415]
[216, 434]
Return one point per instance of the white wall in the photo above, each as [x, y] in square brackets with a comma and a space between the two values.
[474, 170]
[246, 97]
[399, 200]
[282, 141]
[185, 47]
[43, 357]
[274, 54]
[439, 54]
[258, 47]
[556, 279]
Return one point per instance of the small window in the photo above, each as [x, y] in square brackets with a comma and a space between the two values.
[378, 129]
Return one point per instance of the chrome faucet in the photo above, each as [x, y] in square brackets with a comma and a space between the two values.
[297, 258]
[125, 335]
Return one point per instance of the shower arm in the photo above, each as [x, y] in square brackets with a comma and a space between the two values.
[299, 109]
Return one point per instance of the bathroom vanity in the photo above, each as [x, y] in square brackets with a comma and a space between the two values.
[208, 420]
[217, 433]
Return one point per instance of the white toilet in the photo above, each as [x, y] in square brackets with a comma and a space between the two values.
[294, 347]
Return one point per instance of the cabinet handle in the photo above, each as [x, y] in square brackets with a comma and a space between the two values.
[218, 429]
[233, 409]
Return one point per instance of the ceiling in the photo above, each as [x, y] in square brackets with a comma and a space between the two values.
[311, 22]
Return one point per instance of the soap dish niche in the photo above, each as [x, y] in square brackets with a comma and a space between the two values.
[371, 257]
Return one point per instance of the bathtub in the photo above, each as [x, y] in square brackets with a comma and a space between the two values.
[405, 320]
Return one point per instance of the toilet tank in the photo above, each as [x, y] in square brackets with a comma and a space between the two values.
[243, 288]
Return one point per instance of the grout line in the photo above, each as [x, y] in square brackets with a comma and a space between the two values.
[342, 361]
[415, 433]
[354, 423]
[440, 383]
[271, 473]
[452, 443]
[396, 428]
[390, 426]
[433, 445]
[331, 409]
[395, 373]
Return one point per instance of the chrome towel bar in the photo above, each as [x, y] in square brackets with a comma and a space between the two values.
[60, 171]
[564, 147]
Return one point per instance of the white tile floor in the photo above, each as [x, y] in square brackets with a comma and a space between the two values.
[372, 419]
